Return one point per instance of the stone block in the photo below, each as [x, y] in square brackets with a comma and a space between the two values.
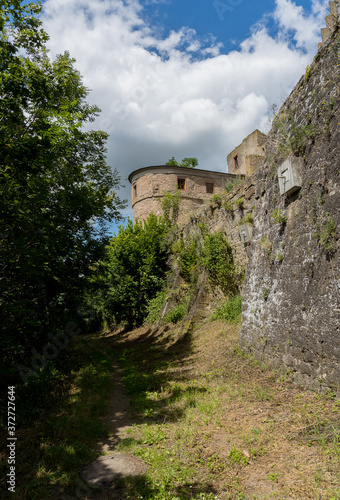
[245, 231]
[331, 21]
[249, 193]
[333, 6]
[325, 34]
[290, 175]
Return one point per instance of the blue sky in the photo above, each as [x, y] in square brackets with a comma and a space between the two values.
[230, 21]
[184, 78]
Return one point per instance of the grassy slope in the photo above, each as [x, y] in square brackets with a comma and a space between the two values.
[212, 423]
[209, 422]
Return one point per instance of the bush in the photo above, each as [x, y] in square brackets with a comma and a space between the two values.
[229, 186]
[230, 311]
[155, 307]
[176, 314]
[218, 261]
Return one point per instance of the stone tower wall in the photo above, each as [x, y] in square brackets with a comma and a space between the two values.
[149, 185]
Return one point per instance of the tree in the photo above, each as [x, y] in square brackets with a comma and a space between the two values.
[186, 162]
[132, 271]
[189, 162]
[172, 162]
[57, 193]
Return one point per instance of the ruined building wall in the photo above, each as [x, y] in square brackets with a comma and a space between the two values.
[246, 158]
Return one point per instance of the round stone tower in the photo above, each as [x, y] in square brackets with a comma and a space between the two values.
[150, 183]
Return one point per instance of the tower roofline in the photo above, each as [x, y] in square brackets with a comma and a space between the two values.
[172, 169]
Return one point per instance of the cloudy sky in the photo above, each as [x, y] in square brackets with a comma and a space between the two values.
[184, 77]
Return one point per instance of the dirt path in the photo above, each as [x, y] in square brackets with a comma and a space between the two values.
[118, 418]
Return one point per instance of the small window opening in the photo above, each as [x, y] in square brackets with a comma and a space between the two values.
[236, 161]
[134, 188]
[209, 186]
[181, 184]
[156, 189]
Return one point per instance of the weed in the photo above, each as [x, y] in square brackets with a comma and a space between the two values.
[326, 233]
[237, 456]
[247, 219]
[274, 477]
[239, 203]
[229, 186]
[216, 199]
[230, 311]
[228, 206]
[265, 293]
[278, 217]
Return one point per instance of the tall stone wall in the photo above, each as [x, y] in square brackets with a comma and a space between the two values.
[291, 304]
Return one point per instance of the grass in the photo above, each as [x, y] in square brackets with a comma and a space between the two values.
[230, 310]
[54, 448]
[209, 421]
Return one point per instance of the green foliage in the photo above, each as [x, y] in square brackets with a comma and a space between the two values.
[237, 456]
[247, 219]
[189, 257]
[155, 307]
[278, 217]
[172, 162]
[213, 253]
[186, 162]
[216, 199]
[265, 293]
[229, 185]
[228, 206]
[132, 272]
[55, 183]
[326, 233]
[170, 203]
[218, 261]
[239, 203]
[230, 311]
[189, 162]
[176, 314]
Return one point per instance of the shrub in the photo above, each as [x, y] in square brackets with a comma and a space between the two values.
[154, 308]
[176, 314]
[247, 219]
[218, 261]
[278, 217]
[216, 199]
[239, 203]
[229, 186]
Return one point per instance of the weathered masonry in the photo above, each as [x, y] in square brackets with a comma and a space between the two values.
[150, 183]
[291, 302]
[246, 158]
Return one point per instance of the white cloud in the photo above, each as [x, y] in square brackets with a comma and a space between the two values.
[178, 96]
[305, 28]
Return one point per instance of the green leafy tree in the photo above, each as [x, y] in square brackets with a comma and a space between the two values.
[186, 162]
[172, 162]
[57, 193]
[133, 271]
[189, 162]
